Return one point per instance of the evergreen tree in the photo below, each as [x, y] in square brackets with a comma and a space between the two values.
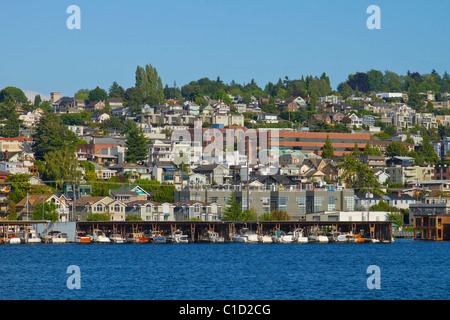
[11, 129]
[327, 150]
[136, 144]
[233, 210]
[51, 135]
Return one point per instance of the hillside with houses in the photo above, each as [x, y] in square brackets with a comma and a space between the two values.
[379, 142]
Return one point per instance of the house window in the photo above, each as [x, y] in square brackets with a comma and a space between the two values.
[148, 209]
[99, 208]
[116, 208]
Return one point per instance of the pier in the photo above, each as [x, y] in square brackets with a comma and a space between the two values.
[194, 229]
[380, 230]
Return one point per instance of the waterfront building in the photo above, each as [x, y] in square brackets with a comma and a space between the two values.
[86, 205]
[264, 198]
[192, 209]
[431, 219]
[346, 216]
[150, 210]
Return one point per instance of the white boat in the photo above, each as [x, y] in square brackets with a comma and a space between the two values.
[99, 237]
[282, 237]
[55, 237]
[178, 237]
[265, 239]
[211, 236]
[117, 238]
[318, 238]
[299, 237]
[81, 237]
[342, 238]
[30, 236]
[13, 239]
[245, 235]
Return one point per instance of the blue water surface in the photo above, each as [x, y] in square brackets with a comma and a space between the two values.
[232, 271]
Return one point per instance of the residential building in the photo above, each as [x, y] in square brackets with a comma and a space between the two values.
[431, 220]
[151, 211]
[27, 205]
[410, 174]
[193, 209]
[86, 205]
[398, 200]
[265, 197]
[216, 173]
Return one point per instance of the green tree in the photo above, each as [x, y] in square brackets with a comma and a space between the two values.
[97, 94]
[116, 91]
[165, 193]
[61, 166]
[136, 144]
[149, 84]
[396, 149]
[98, 217]
[327, 150]
[13, 94]
[233, 209]
[45, 211]
[358, 176]
[51, 135]
[426, 150]
[11, 129]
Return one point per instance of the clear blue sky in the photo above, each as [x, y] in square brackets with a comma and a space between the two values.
[236, 40]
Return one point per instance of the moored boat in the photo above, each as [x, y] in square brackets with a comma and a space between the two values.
[81, 237]
[137, 237]
[117, 238]
[178, 237]
[157, 237]
[211, 236]
[299, 237]
[264, 238]
[55, 237]
[98, 236]
[30, 236]
[13, 239]
[245, 235]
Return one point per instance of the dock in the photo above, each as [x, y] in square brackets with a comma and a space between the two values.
[380, 230]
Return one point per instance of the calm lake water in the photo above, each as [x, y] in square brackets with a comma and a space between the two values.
[233, 271]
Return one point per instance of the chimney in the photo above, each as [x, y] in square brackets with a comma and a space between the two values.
[399, 193]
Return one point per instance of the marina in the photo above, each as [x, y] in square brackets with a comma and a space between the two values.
[140, 232]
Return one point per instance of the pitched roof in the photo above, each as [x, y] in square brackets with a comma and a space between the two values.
[34, 199]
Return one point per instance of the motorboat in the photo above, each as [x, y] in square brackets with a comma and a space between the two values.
[14, 239]
[355, 238]
[117, 238]
[178, 237]
[157, 237]
[245, 235]
[30, 236]
[264, 238]
[137, 237]
[211, 236]
[55, 237]
[299, 237]
[81, 237]
[341, 238]
[99, 236]
[282, 237]
[318, 238]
